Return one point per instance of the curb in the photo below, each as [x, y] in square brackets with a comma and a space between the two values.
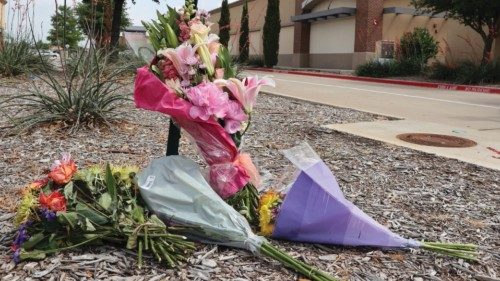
[442, 86]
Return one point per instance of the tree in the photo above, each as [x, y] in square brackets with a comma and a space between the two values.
[271, 33]
[64, 29]
[224, 24]
[195, 3]
[483, 16]
[95, 18]
[244, 42]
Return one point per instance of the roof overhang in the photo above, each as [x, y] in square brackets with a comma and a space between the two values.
[411, 11]
[340, 12]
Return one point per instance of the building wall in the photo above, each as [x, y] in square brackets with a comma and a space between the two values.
[3, 16]
[257, 12]
[456, 41]
[332, 41]
[332, 36]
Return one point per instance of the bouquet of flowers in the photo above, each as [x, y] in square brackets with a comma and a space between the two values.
[314, 210]
[193, 80]
[175, 189]
[71, 208]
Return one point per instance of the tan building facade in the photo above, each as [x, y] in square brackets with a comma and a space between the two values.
[342, 34]
[3, 4]
[3, 20]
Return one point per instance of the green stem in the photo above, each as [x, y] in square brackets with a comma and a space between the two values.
[139, 255]
[456, 246]
[467, 255]
[304, 269]
[248, 125]
[146, 236]
[76, 245]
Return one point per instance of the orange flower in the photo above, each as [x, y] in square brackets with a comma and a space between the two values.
[54, 201]
[38, 183]
[63, 170]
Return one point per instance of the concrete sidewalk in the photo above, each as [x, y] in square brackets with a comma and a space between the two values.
[423, 110]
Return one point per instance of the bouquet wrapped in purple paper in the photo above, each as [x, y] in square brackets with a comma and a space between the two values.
[315, 210]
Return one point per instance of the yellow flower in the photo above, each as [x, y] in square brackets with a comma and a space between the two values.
[125, 173]
[268, 202]
[27, 204]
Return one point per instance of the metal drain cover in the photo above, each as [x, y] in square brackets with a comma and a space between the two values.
[436, 140]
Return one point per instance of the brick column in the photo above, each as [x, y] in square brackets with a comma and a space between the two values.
[301, 38]
[368, 29]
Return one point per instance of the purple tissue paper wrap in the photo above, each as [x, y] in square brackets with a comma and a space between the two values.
[316, 211]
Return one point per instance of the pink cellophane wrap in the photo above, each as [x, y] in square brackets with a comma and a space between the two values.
[230, 171]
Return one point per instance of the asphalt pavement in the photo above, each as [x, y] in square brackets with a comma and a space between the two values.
[469, 115]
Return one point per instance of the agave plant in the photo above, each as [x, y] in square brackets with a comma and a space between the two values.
[86, 93]
[18, 57]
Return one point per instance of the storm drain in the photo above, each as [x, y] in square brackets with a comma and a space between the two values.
[436, 140]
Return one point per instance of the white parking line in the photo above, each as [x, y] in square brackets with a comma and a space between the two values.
[389, 93]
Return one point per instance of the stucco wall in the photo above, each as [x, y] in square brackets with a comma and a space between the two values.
[257, 12]
[332, 36]
[456, 41]
[2, 15]
[329, 4]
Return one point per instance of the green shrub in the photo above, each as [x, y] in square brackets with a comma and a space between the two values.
[387, 69]
[467, 72]
[377, 69]
[87, 94]
[417, 47]
[19, 57]
[414, 50]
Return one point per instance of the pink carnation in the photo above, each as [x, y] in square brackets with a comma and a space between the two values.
[185, 33]
[168, 69]
[234, 117]
[207, 100]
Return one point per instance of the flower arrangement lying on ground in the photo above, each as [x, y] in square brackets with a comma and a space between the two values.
[314, 210]
[175, 188]
[192, 79]
[71, 208]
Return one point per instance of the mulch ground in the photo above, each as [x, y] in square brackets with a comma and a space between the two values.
[416, 195]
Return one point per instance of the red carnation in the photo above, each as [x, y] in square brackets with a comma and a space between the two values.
[54, 201]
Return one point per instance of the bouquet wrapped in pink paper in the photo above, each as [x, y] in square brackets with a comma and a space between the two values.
[192, 80]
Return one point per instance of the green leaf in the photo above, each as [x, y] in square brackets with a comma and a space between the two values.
[105, 201]
[68, 218]
[154, 219]
[138, 214]
[69, 193]
[68, 190]
[111, 185]
[89, 226]
[90, 214]
[33, 241]
[132, 242]
[32, 255]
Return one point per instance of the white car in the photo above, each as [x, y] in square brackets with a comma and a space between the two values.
[49, 54]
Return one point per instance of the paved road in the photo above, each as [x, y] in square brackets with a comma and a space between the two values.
[474, 115]
[478, 111]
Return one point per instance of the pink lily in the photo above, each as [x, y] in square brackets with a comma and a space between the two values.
[245, 91]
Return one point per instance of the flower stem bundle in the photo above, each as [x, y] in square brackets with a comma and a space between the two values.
[70, 209]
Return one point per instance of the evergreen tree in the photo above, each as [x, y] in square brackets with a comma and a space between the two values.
[271, 33]
[224, 22]
[195, 3]
[244, 40]
[64, 31]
